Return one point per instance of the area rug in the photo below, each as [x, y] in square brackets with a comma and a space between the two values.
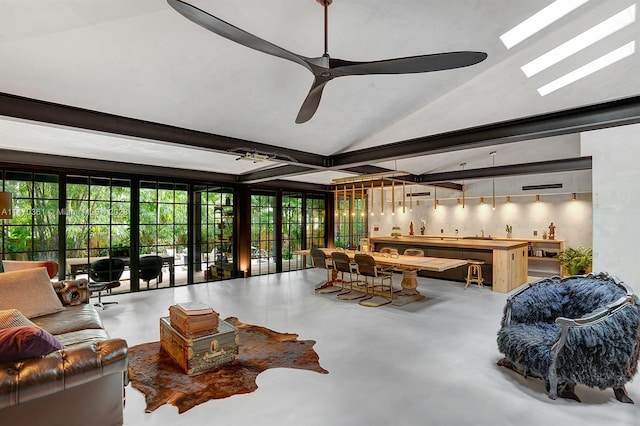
[152, 372]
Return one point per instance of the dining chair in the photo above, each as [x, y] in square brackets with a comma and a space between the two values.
[413, 252]
[319, 260]
[344, 265]
[368, 268]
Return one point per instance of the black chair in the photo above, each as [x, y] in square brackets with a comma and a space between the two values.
[150, 268]
[104, 275]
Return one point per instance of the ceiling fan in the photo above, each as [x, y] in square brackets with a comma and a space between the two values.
[325, 68]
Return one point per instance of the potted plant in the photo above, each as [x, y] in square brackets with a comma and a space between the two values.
[576, 260]
[395, 231]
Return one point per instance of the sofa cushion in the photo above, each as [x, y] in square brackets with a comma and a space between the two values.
[24, 342]
[13, 318]
[73, 318]
[30, 292]
[81, 337]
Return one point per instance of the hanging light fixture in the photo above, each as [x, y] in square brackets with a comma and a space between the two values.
[372, 214]
[362, 195]
[382, 197]
[393, 197]
[493, 180]
[6, 206]
[404, 196]
[353, 200]
[463, 188]
[336, 205]
[410, 198]
[537, 198]
[481, 200]
[574, 196]
[344, 202]
[435, 197]
[508, 198]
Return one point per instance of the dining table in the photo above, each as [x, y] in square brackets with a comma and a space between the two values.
[408, 265]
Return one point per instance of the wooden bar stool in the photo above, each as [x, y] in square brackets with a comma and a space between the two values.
[474, 273]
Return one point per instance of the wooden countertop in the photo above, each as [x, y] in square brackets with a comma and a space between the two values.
[456, 242]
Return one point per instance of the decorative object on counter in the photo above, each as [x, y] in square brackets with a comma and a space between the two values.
[153, 373]
[509, 230]
[411, 228]
[576, 261]
[395, 231]
[423, 225]
[552, 231]
[544, 235]
[553, 328]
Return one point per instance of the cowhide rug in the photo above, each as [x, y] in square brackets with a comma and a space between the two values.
[152, 372]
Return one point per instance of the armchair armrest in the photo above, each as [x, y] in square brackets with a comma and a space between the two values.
[72, 292]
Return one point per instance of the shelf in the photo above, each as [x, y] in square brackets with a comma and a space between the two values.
[544, 259]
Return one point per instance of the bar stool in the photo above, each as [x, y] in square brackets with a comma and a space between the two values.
[474, 273]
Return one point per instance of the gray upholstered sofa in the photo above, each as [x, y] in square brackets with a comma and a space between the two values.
[81, 384]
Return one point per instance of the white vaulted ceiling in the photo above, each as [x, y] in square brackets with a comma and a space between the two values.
[145, 61]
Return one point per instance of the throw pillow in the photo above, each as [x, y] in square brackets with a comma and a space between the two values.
[30, 292]
[23, 342]
[13, 318]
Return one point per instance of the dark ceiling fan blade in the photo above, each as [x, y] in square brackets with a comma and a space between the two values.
[233, 33]
[311, 102]
[408, 65]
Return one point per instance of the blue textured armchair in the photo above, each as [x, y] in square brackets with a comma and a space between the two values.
[580, 329]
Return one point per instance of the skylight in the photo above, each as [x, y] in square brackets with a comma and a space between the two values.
[587, 38]
[540, 20]
[585, 70]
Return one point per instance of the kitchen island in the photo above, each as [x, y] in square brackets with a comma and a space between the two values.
[505, 262]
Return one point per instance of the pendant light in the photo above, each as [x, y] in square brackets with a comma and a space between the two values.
[353, 200]
[410, 198]
[493, 180]
[393, 197]
[382, 197]
[435, 197]
[463, 187]
[404, 195]
[372, 214]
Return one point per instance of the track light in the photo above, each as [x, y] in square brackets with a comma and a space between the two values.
[537, 198]
[574, 196]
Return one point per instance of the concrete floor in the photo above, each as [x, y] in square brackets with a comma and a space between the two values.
[430, 362]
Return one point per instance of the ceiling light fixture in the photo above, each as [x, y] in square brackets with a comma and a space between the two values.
[539, 20]
[588, 69]
[582, 41]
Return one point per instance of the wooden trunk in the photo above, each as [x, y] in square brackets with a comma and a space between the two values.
[193, 324]
[200, 351]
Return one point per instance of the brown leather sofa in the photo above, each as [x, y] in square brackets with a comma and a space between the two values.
[81, 384]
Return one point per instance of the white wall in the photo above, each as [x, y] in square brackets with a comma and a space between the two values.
[616, 198]
[573, 219]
